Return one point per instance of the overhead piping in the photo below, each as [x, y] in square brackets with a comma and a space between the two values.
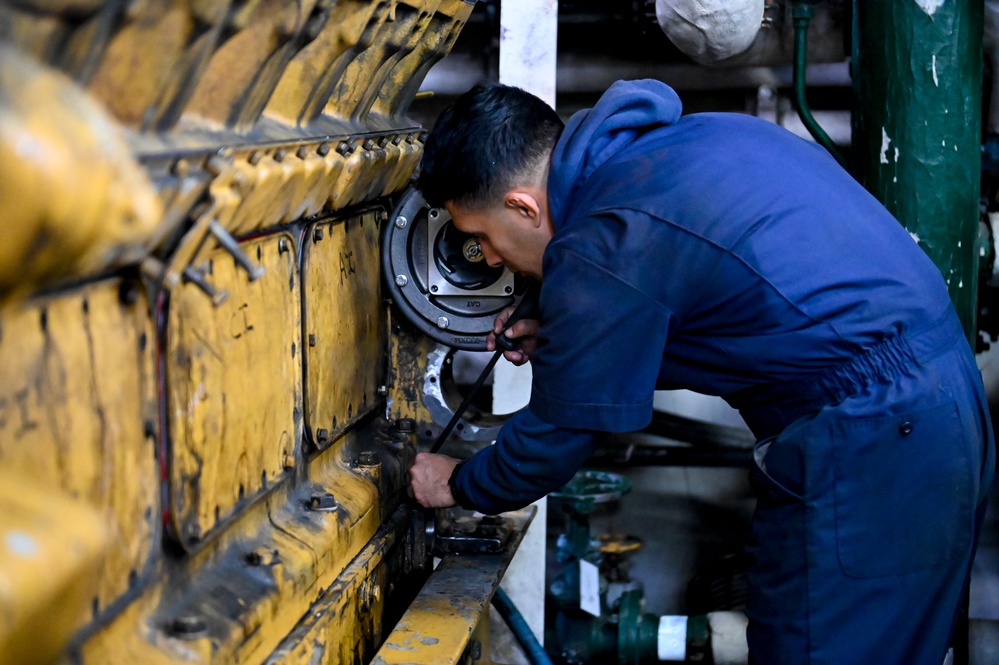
[803, 12]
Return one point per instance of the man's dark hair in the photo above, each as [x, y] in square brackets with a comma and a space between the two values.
[492, 138]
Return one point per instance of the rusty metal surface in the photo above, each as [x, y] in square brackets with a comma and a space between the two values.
[57, 223]
[140, 362]
[250, 594]
[346, 622]
[344, 343]
[438, 625]
[235, 376]
[253, 113]
[51, 545]
[78, 417]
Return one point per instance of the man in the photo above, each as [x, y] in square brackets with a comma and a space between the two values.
[720, 253]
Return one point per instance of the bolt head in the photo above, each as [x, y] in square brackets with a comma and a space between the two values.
[401, 222]
[322, 502]
[401, 280]
[189, 625]
[442, 322]
[367, 458]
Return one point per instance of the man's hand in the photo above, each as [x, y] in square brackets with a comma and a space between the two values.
[428, 480]
[524, 331]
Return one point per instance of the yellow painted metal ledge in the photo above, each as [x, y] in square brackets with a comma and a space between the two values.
[437, 627]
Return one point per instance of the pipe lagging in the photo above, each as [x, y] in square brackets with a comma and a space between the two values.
[515, 620]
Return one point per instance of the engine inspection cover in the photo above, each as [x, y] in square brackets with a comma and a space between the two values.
[439, 278]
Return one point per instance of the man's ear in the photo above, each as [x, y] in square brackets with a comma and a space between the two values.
[525, 203]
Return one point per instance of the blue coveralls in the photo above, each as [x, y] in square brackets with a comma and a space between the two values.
[720, 253]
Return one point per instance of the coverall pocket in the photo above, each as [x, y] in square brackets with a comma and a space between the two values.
[779, 463]
[902, 492]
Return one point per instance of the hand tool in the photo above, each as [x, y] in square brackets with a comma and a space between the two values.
[527, 308]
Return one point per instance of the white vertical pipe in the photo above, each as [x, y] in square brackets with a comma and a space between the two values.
[528, 47]
[528, 40]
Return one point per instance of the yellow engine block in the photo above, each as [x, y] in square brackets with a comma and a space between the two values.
[198, 464]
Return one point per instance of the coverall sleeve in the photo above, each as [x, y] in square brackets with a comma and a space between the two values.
[529, 459]
[600, 345]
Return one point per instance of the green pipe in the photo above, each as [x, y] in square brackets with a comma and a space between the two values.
[802, 15]
[917, 128]
[521, 631]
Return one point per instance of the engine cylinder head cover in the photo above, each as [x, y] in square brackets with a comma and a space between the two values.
[436, 273]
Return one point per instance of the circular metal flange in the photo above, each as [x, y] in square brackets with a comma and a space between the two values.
[439, 278]
[442, 396]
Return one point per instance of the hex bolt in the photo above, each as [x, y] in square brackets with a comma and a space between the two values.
[442, 322]
[383, 390]
[188, 626]
[401, 222]
[322, 436]
[322, 502]
[192, 531]
[317, 234]
[323, 149]
[280, 154]
[368, 144]
[128, 293]
[405, 424]
[312, 340]
[401, 280]
[343, 148]
[367, 458]
[217, 165]
[282, 245]
[302, 152]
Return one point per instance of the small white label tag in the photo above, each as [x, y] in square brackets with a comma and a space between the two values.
[672, 638]
[589, 588]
